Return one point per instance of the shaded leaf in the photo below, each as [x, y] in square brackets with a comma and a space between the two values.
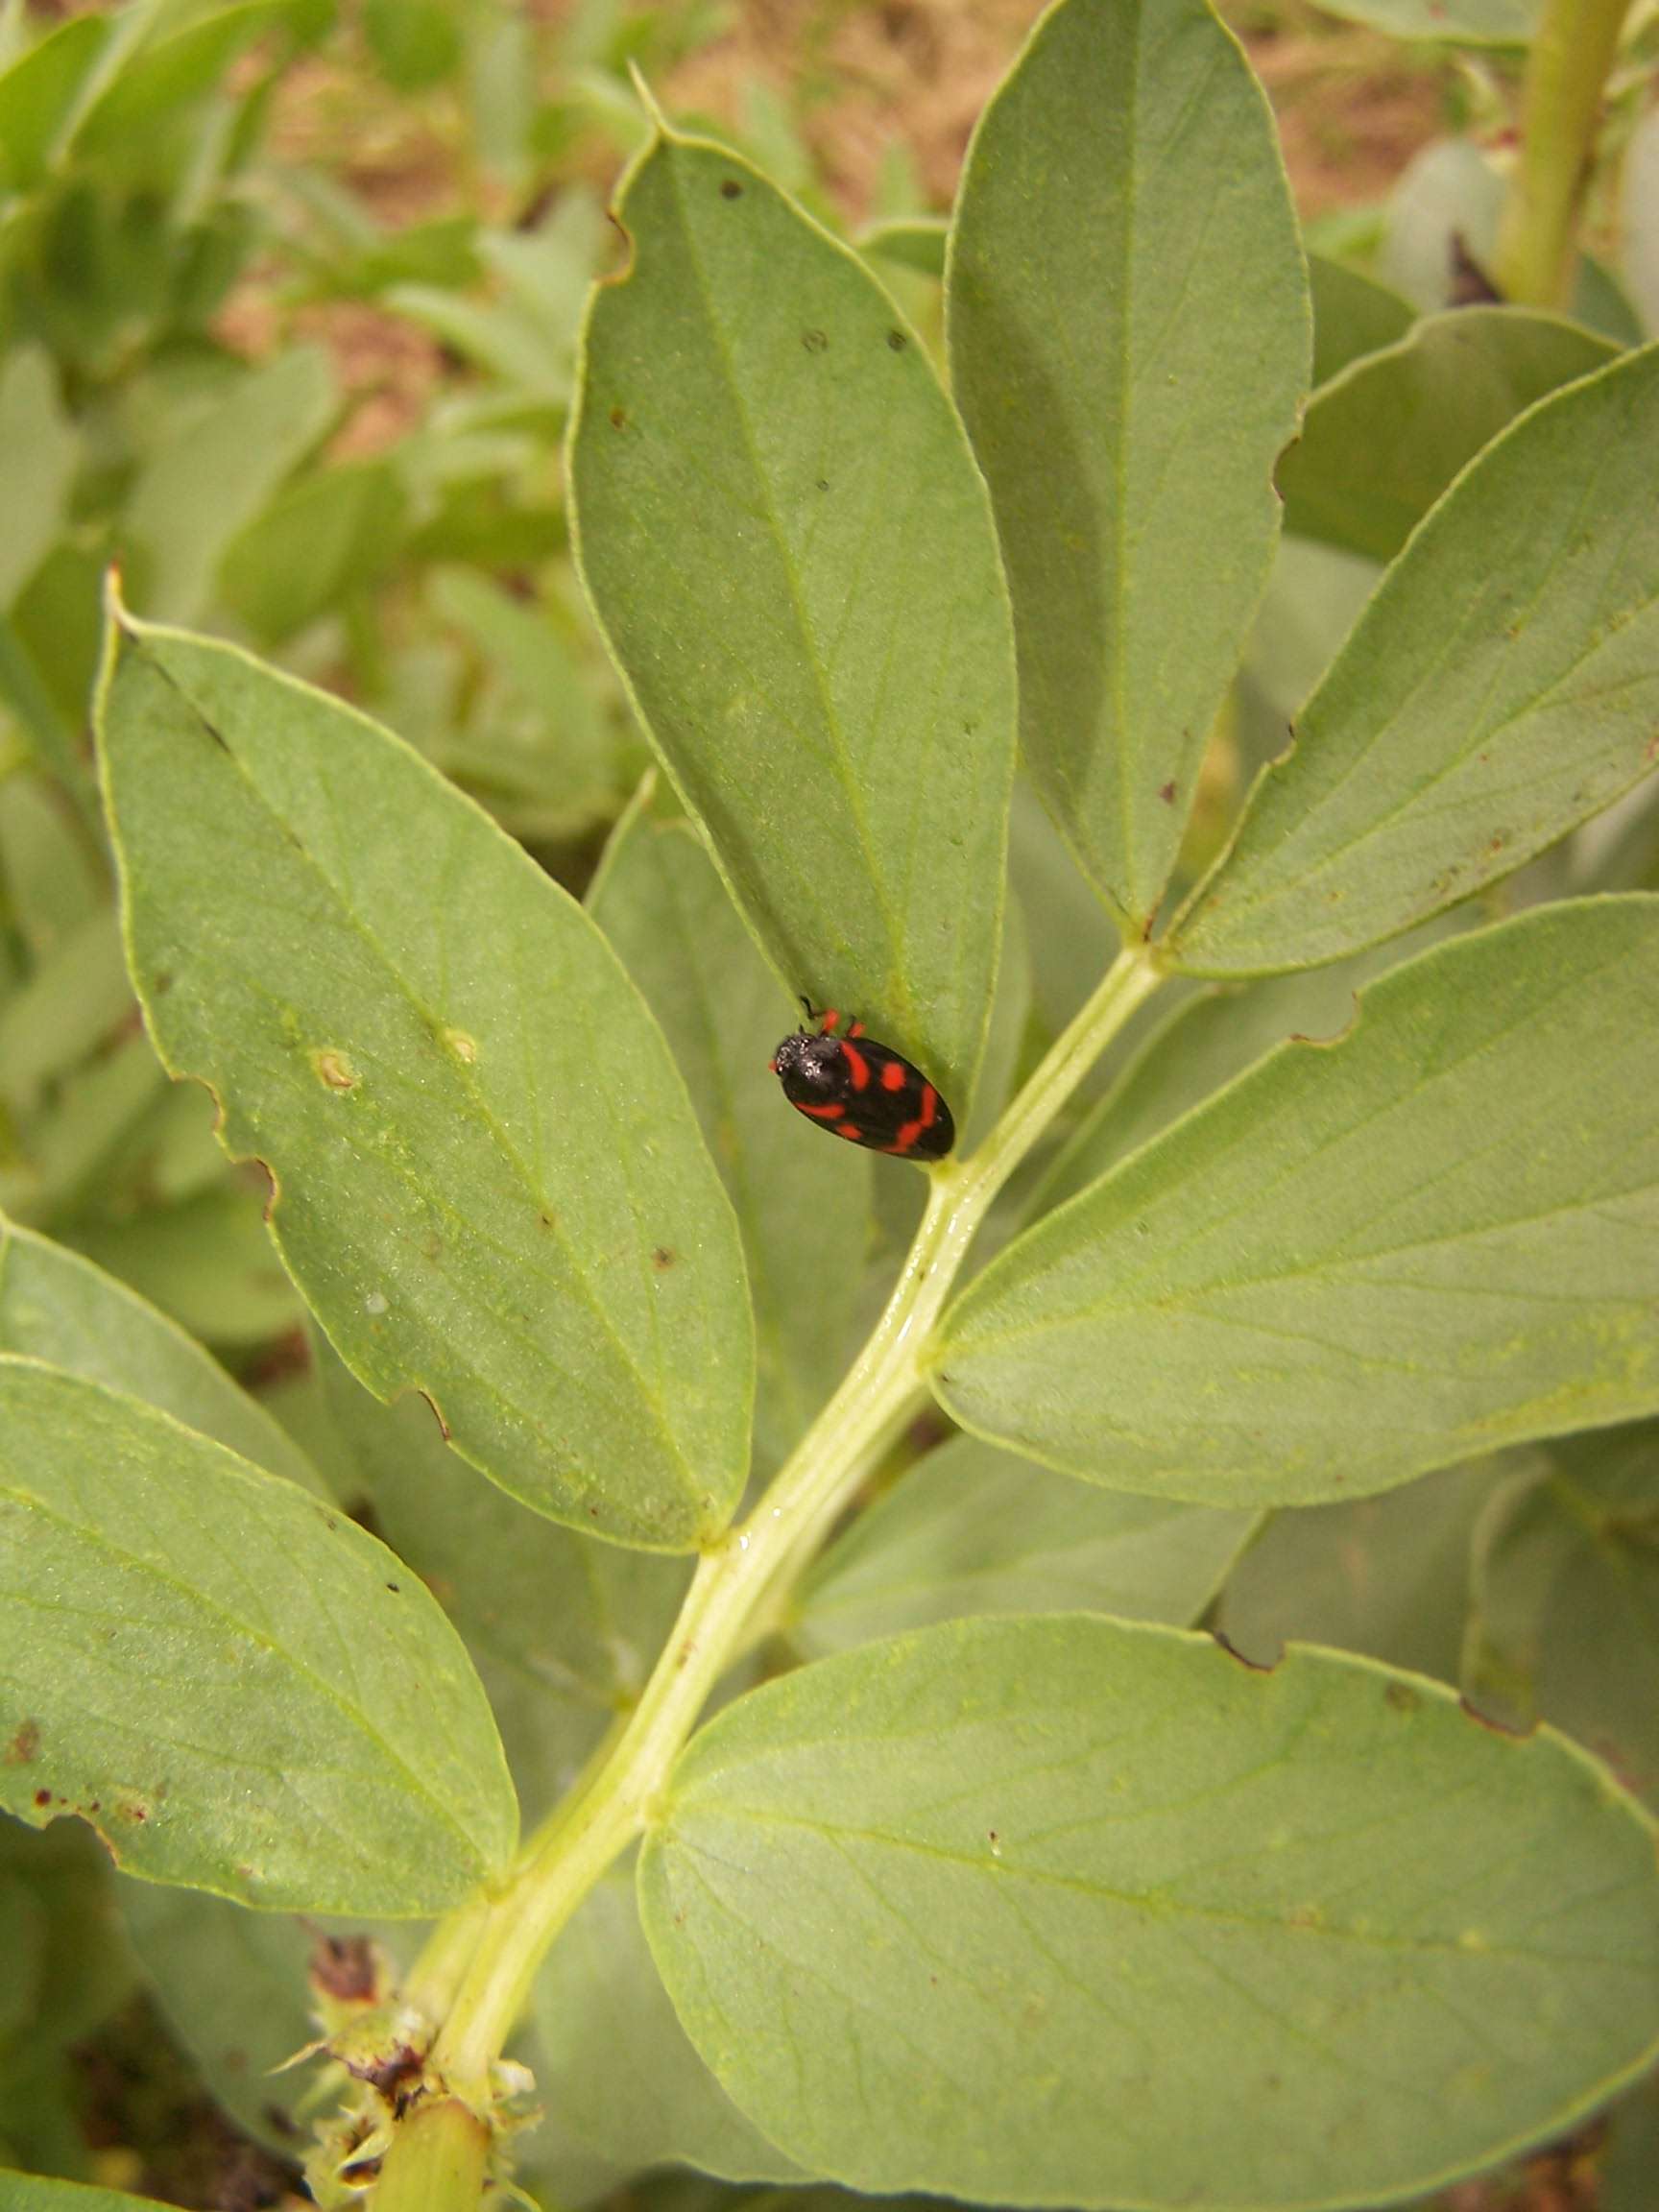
[56, 1306]
[217, 470]
[1387, 1576]
[236, 1687]
[615, 2066]
[1566, 1596]
[1129, 347]
[974, 1530]
[663, 907]
[41, 451]
[1069, 1911]
[1362, 1260]
[791, 555]
[313, 548]
[1352, 314]
[1502, 686]
[1380, 446]
[490, 1184]
[564, 1629]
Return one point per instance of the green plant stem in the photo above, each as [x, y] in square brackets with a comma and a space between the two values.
[743, 1573]
[1567, 67]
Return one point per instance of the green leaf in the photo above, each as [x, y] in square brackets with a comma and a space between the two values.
[37, 95]
[41, 451]
[221, 464]
[72, 1003]
[1353, 314]
[236, 1687]
[314, 547]
[614, 2064]
[490, 1184]
[974, 1530]
[1566, 1596]
[791, 555]
[56, 1306]
[1129, 348]
[563, 1629]
[1069, 1911]
[1362, 1260]
[663, 907]
[1502, 686]
[1386, 1575]
[36, 2193]
[205, 1260]
[1380, 446]
[1462, 22]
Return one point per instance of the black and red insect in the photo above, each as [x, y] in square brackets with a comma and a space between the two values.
[863, 1090]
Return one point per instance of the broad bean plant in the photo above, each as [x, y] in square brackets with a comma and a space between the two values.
[732, 1646]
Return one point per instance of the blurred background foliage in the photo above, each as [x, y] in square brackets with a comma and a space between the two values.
[289, 300]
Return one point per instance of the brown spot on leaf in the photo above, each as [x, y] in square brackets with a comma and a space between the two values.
[24, 1746]
[1167, 792]
[334, 1069]
[663, 1259]
[1402, 1697]
[730, 189]
[618, 417]
[897, 341]
[42, 1796]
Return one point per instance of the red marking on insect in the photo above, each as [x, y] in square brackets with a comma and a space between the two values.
[899, 1111]
[856, 1065]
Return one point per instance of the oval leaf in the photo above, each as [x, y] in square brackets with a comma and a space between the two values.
[489, 1182]
[1381, 444]
[791, 555]
[1502, 686]
[1073, 1913]
[974, 1530]
[238, 1688]
[56, 1306]
[1129, 347]
[1362, 1260]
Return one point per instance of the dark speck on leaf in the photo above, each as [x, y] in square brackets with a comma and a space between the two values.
[897, 340]
[823, 483]
[42, 1796]
[662, 1258]
[619, 418]
[395, 1587]
[24, 1746]
[160, 983]
[1402, 1697]
[815, 341]
[1167, 792]
[731, 189]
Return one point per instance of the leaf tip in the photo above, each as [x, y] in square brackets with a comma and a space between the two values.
[648, 100]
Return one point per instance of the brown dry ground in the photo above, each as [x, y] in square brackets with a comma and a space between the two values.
[860, 77]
